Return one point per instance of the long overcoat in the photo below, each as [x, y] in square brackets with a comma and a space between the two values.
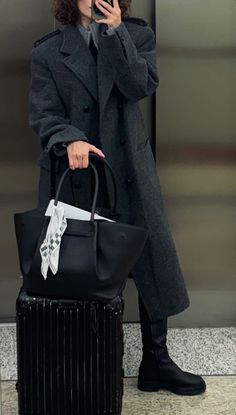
[72, 98]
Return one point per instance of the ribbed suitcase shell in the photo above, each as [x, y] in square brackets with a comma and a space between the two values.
[69, 356]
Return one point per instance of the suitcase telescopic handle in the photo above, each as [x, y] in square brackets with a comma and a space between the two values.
[95, 195]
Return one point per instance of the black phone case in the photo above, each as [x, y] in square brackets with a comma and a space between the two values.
[69, 356]
[96, 16]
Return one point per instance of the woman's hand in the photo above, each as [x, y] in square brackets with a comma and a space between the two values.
[113, 14]
[78, 153]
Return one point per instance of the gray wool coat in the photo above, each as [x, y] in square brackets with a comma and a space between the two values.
[72, 98]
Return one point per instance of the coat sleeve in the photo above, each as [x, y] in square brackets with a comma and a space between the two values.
[133, 65]
[47, 113]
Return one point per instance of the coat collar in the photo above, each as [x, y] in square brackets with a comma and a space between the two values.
[96, 78]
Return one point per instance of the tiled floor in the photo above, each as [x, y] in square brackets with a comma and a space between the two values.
[203, 351]
[219, 399]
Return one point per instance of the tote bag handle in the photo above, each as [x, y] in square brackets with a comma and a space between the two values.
[95, 195]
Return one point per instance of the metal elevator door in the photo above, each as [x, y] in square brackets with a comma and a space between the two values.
[196, 150]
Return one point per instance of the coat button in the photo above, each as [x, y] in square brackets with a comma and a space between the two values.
[129, 180]
[86, 108]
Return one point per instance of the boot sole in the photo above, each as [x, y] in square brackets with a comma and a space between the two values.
[155, 387]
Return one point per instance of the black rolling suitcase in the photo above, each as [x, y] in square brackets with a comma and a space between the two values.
[69, 356]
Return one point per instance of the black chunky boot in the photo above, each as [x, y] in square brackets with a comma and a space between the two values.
[157, 370]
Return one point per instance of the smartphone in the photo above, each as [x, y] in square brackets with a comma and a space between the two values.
[96, 13]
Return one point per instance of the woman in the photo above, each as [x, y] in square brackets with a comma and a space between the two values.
[87, 80]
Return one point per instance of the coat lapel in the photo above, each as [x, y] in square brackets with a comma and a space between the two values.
[79, 59]
[104, 74]
[96, 78]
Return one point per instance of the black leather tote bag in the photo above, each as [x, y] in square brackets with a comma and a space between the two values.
[95, 255]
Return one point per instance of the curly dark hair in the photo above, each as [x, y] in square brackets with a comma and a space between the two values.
[67, 12]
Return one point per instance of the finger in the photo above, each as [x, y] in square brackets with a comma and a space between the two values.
[75, 161]
[99, 153]
[105, 21]
[85, 161]
[71, 165]
[96, 150]
[105, 12]
[79, 161]
[101, 21]
[116, 5]
[70, 160]
[105, 5]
